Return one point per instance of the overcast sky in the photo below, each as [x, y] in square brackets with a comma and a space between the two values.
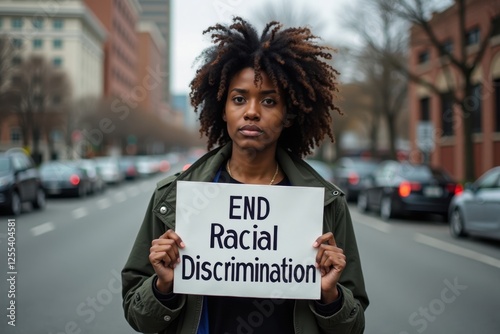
[191, 17]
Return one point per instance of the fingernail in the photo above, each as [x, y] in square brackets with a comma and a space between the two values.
[315, 244]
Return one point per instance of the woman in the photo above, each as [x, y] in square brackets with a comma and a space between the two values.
[265, 102]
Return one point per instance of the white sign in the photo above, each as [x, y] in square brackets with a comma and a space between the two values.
[425, 136]
[248, 240]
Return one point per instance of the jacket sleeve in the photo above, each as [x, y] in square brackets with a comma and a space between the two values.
[350, 318]
[143, 311]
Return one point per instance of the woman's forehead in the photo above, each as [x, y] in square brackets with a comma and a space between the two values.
[247, 78]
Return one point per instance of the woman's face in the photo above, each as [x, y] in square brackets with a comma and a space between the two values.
[254, 115]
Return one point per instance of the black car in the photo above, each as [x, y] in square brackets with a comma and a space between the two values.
[397, 188]
[61, 178]
[19, 182]
[349, 174]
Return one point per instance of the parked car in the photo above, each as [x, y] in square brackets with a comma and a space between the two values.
[397, 188]
[147, 165]
[64, 178]
[476, 211]
[109, 168]
[323, 169]
[128, 166]
[19, 182]
[349, 174]
[97, 184]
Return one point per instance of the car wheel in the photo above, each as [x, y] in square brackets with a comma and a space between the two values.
[457, 228]
[386, 210]
[15, 204]
[39, 202]
[362, 203]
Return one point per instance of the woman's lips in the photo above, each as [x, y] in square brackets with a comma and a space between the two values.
[251, 130]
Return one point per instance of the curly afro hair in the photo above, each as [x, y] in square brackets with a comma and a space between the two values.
[293, 62]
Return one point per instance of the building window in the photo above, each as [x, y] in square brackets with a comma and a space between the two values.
[56, 100]
[37, 23]
[495, 29]
[496, 84]
[474, 106]
[15, 135]
[57, 44]
[447, 114]
[57, 61]
[17, 23]
[423, 57]
[472, 36]
[17, 43]
[57, 24]
[37, 43]
[448, 46]
[425, 114]
[16, 60]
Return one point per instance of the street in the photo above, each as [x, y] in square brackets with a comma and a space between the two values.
[69, 258]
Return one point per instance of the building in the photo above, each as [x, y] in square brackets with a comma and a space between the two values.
[159, 12]
[436, 121]
[120, 18]
[150, 66]
[70, 37]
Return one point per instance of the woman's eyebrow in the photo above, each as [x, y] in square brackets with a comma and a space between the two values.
[264, 92]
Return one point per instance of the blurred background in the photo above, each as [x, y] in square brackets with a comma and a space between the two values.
[94, 110]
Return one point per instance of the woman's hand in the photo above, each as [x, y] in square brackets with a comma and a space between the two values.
[331, 261]
[164, 256]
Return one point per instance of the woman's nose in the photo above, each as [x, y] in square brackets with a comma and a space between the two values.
[253, 111]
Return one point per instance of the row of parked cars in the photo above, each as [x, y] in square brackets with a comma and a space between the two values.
[22, 182]
[395, 188]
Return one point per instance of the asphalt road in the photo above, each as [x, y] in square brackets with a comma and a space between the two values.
[421, 280]
[69, 256]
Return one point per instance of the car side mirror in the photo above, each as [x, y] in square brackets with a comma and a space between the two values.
[470, 186]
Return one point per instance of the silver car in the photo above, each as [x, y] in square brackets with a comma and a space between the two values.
[476, 211]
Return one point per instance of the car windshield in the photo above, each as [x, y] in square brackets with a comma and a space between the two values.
[4, 165]
[422, 173]
[57, 169]
[365, 166]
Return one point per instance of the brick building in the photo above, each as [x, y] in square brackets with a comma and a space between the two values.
[120, 64]
[437, 107]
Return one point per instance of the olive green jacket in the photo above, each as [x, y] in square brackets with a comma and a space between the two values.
[146, 314]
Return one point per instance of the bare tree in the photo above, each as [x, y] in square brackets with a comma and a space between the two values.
[461, 63]
[290, 15]
[383, 38]
[6, 53]
[36, 94]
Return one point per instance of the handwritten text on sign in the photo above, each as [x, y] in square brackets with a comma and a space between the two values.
[248, 240]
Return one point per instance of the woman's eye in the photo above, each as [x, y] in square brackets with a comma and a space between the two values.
[238, 99]
[269, 102]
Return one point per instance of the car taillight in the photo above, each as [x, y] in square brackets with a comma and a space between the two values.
[74, 179]
[455, 188]
[353, 178]
[405, 188]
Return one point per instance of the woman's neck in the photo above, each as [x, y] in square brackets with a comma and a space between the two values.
[254, 168]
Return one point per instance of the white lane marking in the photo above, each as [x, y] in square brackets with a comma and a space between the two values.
[79, 213]
[103, 203]
[42, 228]
[120, 197]
[451, 248]
[375, 224]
